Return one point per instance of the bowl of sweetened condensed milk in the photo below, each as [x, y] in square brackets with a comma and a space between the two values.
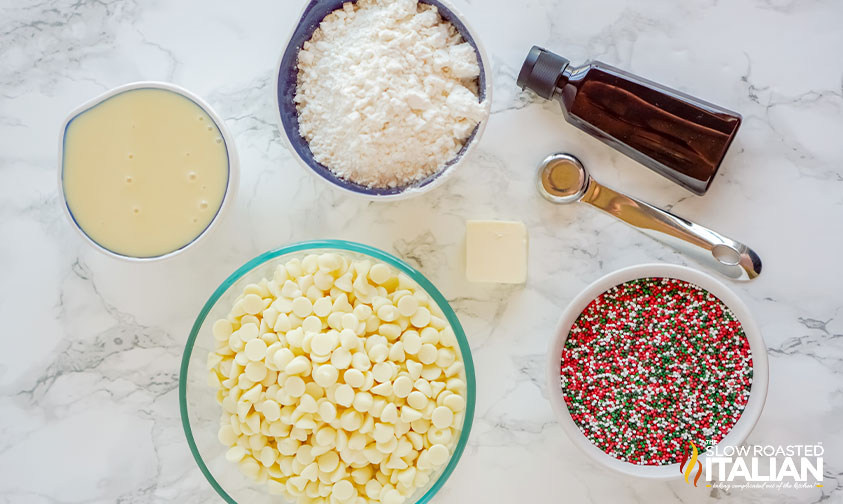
[146, 170]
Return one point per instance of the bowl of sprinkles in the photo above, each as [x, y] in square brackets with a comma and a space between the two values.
[652, 362]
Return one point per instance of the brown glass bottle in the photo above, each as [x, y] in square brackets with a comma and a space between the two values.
[676, 135]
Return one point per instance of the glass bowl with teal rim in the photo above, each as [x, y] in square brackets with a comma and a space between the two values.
[200, 411]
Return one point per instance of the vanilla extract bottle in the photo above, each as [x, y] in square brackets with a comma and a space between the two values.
[674, 134]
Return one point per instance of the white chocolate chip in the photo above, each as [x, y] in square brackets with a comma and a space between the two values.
[431, 373]
[311, 324]
[409, 414]
[362, 402]
[362, 311]
[327, 411]
[252, 304]
[429, 335]
[390, 413]
[421, 317]
[341, 358]
[302, 307]
[438, 454]
[298, 366]
[247, 332]
[383, 389]
[282, 357]
[294, 386]
[354, 378]
[379, 273]
[408, 305]
[226, 435]
[351, 420]
[326, 375]
[439, 436]
[417, 400]
[344, 395]
[392, 496]
[378, 353]
[255, 371]
[455, 402]
[387, 312]
[343, 490]
[402, 386]
[427, 354]
[396, 352]
[390, 331]
[256, 349]
[415, 369]
[412, 342]
[322, 306]
[322, 343]
[360, 361]
[382, 372]
[307, 404]
[222, 330]
[349, 321]
[423, 386]
[442, 417]
[328, 461]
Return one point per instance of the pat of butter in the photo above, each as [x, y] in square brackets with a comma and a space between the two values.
[495, 251]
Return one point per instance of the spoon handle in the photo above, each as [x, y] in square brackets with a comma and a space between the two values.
[725, 255]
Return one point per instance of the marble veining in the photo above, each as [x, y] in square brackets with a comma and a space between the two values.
[89, 371]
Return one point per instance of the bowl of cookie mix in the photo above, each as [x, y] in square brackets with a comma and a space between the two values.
[382, 99]
[653, 365]
[326, 372]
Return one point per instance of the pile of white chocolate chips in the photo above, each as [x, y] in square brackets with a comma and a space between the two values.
[387, 92]
[340, 381]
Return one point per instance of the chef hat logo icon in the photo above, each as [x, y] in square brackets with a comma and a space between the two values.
[690, 461]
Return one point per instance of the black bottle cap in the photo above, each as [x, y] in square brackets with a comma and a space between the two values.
[541, 71]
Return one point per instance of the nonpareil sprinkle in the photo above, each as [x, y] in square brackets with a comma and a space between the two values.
[652, 364]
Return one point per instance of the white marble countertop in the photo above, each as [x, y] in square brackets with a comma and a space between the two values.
[91, 346]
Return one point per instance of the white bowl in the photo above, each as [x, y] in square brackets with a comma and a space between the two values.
[285, 87]
[760, 370]
[233, 165]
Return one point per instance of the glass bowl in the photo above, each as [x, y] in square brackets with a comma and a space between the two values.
[200, 411]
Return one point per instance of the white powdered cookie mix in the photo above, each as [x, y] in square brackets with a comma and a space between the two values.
[387, 92]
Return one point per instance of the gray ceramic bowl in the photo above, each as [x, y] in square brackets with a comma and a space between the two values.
[285, 90]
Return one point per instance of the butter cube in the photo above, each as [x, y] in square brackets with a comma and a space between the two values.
[495, 251]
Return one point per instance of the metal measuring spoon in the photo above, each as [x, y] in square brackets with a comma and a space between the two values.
[563, 179]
